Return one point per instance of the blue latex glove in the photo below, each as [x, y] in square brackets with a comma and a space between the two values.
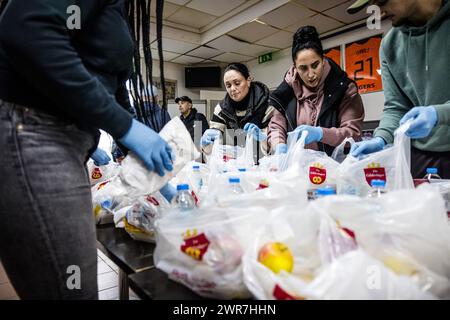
[100, 157]
[368, 146]
[149, 147]
[257, 134]
[209, 136]
[281, 148]
[168, 192]
[315, 134]
[424, 119]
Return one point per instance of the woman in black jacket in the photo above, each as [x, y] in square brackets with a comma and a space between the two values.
[245, 109]
[63, 66]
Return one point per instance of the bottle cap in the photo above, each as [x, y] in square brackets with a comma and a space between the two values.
[234, 180]
[196, 167]
[432, 170]
[183, 186]
[242, 169]
[325, 192]
[378, 183]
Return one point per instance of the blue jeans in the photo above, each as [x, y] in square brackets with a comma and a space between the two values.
[47, 227]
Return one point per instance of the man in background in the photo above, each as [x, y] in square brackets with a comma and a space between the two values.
[191, 118]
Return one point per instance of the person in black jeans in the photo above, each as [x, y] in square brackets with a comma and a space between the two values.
[192, 118]
[61, 78]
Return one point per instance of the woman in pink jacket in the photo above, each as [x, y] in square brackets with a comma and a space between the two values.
[315, 96]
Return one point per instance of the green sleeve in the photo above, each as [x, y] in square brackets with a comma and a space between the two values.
[395, 106]
[443, 111]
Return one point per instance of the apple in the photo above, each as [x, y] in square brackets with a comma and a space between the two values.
[276, 256]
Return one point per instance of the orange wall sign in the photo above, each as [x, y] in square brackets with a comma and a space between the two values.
[362, 61]
[334, 54]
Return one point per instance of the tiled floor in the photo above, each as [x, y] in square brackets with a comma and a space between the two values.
[108, 277]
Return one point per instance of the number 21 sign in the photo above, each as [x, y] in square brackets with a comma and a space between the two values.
[362, 62]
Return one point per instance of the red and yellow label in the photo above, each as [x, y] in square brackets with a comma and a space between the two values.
[374, 171]
[101, 185]
[280, 294]
[96, 174]
[195, 245]
[152, 200]
[362, 64]
[263, 184]
[317, 174]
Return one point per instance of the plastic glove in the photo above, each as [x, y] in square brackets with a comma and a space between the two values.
[315, 134]
[149, 147]
[100, 157]
[281, 148]
[424, 119]
[209, 136]
[168, 192]
[368, 146]
[258, 135]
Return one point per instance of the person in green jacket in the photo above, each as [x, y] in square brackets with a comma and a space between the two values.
[415, 68]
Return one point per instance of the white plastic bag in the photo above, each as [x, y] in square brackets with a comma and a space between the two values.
[409, 232]
[313, 241]
[108, 197]
[390, 165]
[353, 276]
[139, 219]
[231, 158]
[202, 249]
[140, 181]
[99, 174]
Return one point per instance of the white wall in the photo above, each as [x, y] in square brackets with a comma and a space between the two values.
[271, 73]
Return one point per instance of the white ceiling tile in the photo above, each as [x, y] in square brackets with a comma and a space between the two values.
[322, 23]
[215, 7]
[227, 44]
[320, 5]
[286, 15]
[280, 40]
[232, 57]
[254, 50]
[168, 10]
[179, 2]
[211, 62]
[252, 31]
[187, 60]
[340, 13]
[205, 52]
[191, 18]
[167, 56]
[175, 45]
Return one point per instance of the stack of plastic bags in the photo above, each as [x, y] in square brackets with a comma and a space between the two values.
[134, 179]
[344, 247]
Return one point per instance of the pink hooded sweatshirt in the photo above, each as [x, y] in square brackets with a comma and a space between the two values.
[309, 104]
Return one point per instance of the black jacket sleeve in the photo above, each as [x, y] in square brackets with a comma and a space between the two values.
[123, 99]
[36, 39]
[205, 126]
[281, 96]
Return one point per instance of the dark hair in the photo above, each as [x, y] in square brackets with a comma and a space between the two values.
[139, 13]
[306, 37]
[239, 67]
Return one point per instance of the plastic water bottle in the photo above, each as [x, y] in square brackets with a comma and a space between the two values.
[183, 199]
[323, 192]
[378, 188]
[432, 174]
[197, 177]
[235, 186]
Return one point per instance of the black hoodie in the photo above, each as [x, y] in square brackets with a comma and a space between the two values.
[73, 73]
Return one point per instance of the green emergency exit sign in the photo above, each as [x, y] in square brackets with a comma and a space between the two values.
[265, 58]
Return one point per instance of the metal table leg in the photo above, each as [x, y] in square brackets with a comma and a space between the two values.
[123, 286]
